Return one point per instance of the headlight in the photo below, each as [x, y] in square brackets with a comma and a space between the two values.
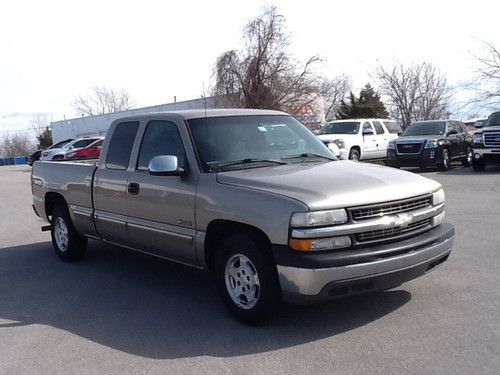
[320, 243]
[340, 143]
[438, 197]
[431, 143]
[477, 138]
[391, 145]
[318, 218]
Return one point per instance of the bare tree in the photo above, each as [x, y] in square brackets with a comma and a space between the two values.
[15, 145]
[415, 92]
[264, 75]
[334, 91]
[102, 100]
[486, 83]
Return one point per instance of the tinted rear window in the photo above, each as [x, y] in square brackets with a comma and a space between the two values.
[393, 127]
[494, 119]
[120, 145]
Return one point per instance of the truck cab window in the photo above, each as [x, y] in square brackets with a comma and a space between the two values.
[160, 138]
[120, 145]
[378, 127]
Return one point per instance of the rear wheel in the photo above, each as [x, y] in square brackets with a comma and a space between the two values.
[468, 158]
[247, 278]
[68, 244]
[354, 154]
[445, 163]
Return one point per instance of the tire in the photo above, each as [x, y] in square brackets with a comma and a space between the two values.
[243, 263]
[478, 165]
[354, 155]
[468, 158]
[445, 164]
[68, 244]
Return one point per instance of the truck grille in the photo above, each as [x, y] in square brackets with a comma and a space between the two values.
[391, 208]
[393, 233]
[492, 139]
[409, 148]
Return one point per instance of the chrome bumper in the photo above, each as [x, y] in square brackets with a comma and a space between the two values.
[310, 282]
[487, 151]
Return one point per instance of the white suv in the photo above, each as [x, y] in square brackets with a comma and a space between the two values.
[360, 139]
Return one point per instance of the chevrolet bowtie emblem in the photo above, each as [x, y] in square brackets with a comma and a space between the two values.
[402, 220]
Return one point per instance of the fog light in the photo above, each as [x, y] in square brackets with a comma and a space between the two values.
[438, 219]
[477, 156]
[320, 244]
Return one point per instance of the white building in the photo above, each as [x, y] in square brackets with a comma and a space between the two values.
[99, 124]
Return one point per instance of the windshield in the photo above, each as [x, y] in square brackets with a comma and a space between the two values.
[426, 128]
[494, 119]
[223, 140]
[340, 128]
[61, 144]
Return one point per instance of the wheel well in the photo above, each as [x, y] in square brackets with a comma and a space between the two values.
[219, 229]
[357, 148]
[51, 201]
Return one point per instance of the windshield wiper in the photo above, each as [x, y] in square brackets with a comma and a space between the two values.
[247, 161]
[307, 155]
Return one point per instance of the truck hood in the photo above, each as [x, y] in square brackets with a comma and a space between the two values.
[334, 184]
[419, 137]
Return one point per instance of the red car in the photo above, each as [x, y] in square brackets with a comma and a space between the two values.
[92, 151]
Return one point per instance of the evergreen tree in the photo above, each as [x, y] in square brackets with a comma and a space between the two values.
[367, 105]
[44, 138]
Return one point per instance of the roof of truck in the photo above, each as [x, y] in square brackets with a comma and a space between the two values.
[200, 113]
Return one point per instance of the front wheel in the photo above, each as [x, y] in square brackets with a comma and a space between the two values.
[68, 244]
[354, 155]
[445, 163]
[247, 278]
[477, 165]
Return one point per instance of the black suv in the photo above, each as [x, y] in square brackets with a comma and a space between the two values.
[431, 143]
[486, 142]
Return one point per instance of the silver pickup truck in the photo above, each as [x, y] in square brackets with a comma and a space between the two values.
[253, 196]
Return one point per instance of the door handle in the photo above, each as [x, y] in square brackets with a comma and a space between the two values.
[133, 188]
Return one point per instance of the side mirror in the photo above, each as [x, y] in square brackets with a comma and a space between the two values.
[367, 131]
[478, 124]
[452, 131]
[165, 165]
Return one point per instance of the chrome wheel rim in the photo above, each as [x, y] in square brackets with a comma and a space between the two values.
[61, 234]
[469, 156]
[446, 159]
[242, 281]
[355, 157]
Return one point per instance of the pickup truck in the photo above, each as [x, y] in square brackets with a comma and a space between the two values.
[252, 196]
[486, 142]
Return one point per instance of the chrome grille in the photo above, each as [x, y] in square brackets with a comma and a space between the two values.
[391, 208]
[409, 148]
[393, 233]
[492, 139]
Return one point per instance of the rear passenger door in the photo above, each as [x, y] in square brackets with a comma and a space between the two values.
[382, 139]
[110, 184]
[369, 148]
[161, 215]
[454, 139]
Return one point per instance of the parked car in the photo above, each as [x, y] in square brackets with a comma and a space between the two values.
[431, 143]
[92, 151]
[360, 139]
[486, 142]
[59, 153]
[252, 196]
[35, 155]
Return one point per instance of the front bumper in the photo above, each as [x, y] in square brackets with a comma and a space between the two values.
[488, 152]
[427, 157]
[313, 277]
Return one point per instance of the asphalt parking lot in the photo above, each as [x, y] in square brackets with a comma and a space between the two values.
[123, 312]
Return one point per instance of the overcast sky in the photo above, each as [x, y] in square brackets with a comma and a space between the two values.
[51, 51]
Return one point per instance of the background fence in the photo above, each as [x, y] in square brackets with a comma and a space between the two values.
[13, 161]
